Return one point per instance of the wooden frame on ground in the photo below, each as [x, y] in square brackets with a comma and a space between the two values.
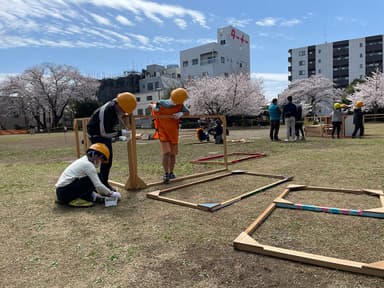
[209, 159]
[245, 241]
[134, 181]
[211, 207]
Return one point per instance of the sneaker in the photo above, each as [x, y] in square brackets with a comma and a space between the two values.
[78, 202]
[172, 176]
[166, 178]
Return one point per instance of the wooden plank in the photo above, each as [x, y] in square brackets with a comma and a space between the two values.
[173, 201]
[189, 176]
[374, 192]
[294, 187]
[251, 228]
[247, 194]
[76, 130]
[245, 243]
[382, 200]
[195, 182]
[287, 178]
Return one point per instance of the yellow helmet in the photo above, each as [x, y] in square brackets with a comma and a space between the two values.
[359, 104]
[101, 148]
[336, 106]
[179, 95]
[126, 101]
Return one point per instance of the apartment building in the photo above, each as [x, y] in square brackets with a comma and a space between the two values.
[230, 54]
[341, 61]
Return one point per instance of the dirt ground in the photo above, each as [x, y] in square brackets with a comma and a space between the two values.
[148, 243]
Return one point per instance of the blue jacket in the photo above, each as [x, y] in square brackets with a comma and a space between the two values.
[274, 112]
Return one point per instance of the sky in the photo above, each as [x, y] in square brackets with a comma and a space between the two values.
[104, 38]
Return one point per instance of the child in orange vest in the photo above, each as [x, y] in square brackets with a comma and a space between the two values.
[167, 129]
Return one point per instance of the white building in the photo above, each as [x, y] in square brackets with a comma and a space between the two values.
[157, 83]
[230, 54]
[341, 61]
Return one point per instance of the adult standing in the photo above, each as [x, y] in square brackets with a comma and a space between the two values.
[299, 122]
[167, 129]
[103, 126]
[358, 119]
[274, 119]
[290, 112]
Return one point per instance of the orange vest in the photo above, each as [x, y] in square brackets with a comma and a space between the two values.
[167, 129]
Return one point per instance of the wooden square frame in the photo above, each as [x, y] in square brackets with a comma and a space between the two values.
[245, 241]
[211, 207]
[208, 159]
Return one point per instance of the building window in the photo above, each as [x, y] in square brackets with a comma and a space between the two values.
[222, 60]
[319, 61]
[149, 98]
[140, 112]
[204, 74]
[148, 111]
[157, 84]
[301, 62]
[361, 44]
[319, 51]
[195, 61]
[241, 65]
[185, 63]
[137, 99]
[361, 55]
[361, 66]
[319, 71]
[302, 53]
[150, 86]
[301, 72]
[222, 42]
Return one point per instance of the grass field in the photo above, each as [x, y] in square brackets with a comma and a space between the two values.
[149, 243]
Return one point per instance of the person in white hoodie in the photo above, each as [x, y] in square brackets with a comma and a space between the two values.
[79, 185]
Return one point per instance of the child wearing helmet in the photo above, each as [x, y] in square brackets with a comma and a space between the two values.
[104, 123]
[337, 119]
[358, 119]
[79, 185]
[167, 128]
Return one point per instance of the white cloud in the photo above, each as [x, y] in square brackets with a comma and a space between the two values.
[124, 21]
[100, 19]
[269, 21]
[273, 83]
[291, 22]
[240, 23]
[181, 23]
[70, 23]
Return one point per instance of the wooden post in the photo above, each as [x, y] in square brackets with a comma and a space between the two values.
[76, 129]
[133, 182]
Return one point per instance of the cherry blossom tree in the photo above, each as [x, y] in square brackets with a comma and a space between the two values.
[371, 92]
[44, 92]
[235, 94]
[316, 91]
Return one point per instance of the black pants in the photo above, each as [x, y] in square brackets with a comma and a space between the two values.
[104, 167]
[299, 129]
[80, 188]
[336, 127]
[274, 129]
[357, 128]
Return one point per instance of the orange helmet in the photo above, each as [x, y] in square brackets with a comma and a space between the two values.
[359, 104]
[102, 149]
[127, 101]
[179, 95]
